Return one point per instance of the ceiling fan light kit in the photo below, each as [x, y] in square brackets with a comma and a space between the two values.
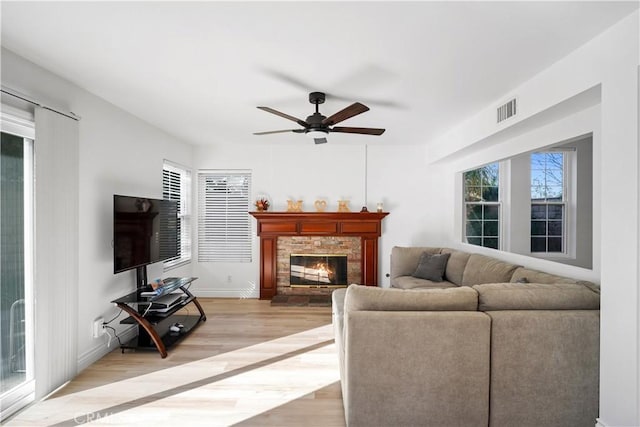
[319, 136]
[317, 126]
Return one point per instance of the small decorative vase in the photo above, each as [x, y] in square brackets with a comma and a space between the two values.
[262, 204]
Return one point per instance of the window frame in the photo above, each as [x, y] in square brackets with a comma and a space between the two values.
[569, 215]
[184, 212]
[483, 203]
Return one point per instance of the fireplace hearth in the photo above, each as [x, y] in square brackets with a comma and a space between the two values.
[318, 270]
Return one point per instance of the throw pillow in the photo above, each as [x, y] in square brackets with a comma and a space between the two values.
[522, 280]
[431, 267]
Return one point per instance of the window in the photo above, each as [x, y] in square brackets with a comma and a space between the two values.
[544, 206]
[224, 226]
[482, 206]
[17, 385]
[176, 185]
[548, 202]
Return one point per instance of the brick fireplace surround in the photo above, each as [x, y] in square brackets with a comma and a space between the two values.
[339, 229]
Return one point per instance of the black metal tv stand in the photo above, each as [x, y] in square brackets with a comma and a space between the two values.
[154, 326]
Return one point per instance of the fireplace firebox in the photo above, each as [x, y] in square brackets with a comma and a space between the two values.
[318, 270]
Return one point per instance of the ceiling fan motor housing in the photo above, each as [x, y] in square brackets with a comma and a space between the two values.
[317, 97]
[315, 120]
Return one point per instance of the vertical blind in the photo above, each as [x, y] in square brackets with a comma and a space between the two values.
[176, 186]
[56, 250]
[224, 226]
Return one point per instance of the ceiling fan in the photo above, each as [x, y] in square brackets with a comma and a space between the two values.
[318, 126]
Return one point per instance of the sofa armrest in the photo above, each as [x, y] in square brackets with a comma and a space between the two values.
[416, 368]
[337, 309]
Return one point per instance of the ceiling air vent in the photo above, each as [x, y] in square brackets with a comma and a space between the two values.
[507, 110]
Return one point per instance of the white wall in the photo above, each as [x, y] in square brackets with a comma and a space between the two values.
[118, 154]
[610, 62]
[305, 171]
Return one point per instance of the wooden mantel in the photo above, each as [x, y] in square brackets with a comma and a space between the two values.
[271, 225]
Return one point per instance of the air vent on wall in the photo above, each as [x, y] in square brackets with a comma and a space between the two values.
[507, 110]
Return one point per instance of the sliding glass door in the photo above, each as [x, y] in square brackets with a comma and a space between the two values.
[16, 268]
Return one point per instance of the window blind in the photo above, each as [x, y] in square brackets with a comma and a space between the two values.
[224, 226]
[176, 186]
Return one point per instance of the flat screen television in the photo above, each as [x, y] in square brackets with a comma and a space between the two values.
[145, 231]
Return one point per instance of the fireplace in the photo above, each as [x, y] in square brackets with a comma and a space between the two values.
[353, 233]
[318, 270]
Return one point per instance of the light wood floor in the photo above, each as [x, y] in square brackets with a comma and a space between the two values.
[249, 364]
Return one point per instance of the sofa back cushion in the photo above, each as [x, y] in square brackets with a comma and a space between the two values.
[404, 260]
[535, 276]
[536, 296]
[527, 275]
[456, 265]
[483, 269]
[371, 298]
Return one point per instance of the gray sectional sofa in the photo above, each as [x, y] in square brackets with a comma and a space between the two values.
[491, 344]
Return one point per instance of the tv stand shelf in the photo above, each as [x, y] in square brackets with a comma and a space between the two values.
[153, 328]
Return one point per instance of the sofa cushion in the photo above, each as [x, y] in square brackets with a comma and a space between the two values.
[544, 368]
[456, 265]
[536, 296]
[535, 276]
[370, 298]
[431, 267]
[410, 369]
[404, 260]
[483, 269]
[410, 282]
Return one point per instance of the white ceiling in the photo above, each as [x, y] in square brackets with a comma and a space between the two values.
[199, 69]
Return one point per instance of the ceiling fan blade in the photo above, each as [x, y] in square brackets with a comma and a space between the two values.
[286, 116]
[364, 131]
[346, 113]
[279, 131]
[320, 140]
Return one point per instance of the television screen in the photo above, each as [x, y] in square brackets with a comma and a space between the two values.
[144, 231]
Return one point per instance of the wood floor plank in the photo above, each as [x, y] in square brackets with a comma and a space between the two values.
[249, 364]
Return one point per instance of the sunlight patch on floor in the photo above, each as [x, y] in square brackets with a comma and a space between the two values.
[220, 390]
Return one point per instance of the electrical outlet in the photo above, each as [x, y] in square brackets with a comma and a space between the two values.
[98, 327]
[229, 279]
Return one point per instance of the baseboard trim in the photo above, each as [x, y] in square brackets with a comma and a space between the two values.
[91, 356]
[225, 293]
[15, 407]
[600, 423]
